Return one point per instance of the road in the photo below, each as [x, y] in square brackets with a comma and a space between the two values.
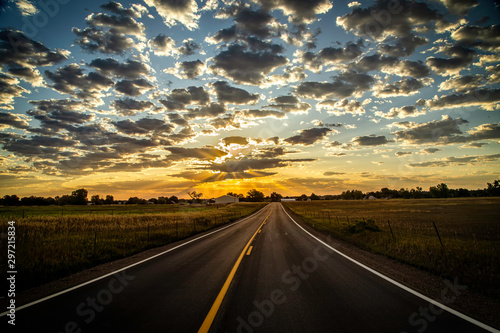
[263, 274]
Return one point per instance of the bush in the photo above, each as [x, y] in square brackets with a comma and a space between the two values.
[360, 226]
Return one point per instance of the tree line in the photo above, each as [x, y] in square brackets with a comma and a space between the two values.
[80, 196]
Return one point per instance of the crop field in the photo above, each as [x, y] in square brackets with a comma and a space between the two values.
[52, 242]
[468, 245]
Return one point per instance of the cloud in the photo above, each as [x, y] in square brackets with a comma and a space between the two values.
[187, 69]
[404, 46]
[189, 46]
[72, 80]
[309, 136]
[442, 131]
[404, 87]
[463, 83]
[129, 107]
[298, 12]
[93, 40]
[131, 69]
[207, 176]
[239, 140]
[288, 104]
[485, 38]
[346, 84]
[487, 99]
[244, 66]
[27, 74]
[179, 98]
[116, 23]
[162, 45]
[26, 7]
[12, 121]
[459, 7]
[143, 126]
[184, 12]
[449, 161]
[430, 150]
[211, 110]
[459, 58]
[9, 89]
[343, 106]
[387, 18]
[204, 153]
[135, 10]
[402, 153]
[370, 140]
[228, 94]
[135, 87]
[259, 113]
[329, 56]
[402, 112]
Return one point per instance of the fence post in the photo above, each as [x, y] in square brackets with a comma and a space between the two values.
[437, 232]
[389, 223]
[176, 229]
[95, 240]
[347, 217]
[147, 239]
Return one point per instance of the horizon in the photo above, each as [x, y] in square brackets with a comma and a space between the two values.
[148, 99]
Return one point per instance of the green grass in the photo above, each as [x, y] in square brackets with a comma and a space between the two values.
[469, 229]
[50, 246]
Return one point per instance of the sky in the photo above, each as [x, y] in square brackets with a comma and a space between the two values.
[162, 97]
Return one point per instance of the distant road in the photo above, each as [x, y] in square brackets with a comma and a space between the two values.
[263, 274]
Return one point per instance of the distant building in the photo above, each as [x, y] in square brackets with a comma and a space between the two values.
[226, 199]
[288, 199]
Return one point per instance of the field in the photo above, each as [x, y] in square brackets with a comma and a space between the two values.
[468, 245]
[52, 242]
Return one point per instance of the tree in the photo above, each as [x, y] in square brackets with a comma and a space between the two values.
[10, 200]
[109, 200]
[79, 197]
[314, 197]
[255, 196]
[96, 200]
[195, 196]
[173, 199]
[303, 197]
[276, 197]
[239, 196]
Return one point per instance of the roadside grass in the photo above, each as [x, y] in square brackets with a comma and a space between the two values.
[50, 246]
[469, 229]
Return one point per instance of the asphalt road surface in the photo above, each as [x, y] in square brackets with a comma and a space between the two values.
[262, 274]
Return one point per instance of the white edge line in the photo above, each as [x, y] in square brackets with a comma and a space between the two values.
[402, 286]
[129, 266]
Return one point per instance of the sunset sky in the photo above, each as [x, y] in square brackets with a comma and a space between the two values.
[161, 97]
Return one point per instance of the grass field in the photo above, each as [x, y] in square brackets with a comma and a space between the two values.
[469, 229]
[51, 244]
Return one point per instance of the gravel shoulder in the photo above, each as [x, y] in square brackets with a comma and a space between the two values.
[471, 303]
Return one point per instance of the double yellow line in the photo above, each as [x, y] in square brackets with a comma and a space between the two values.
[218, 301]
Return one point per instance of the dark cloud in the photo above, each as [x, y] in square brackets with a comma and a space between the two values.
[228, 94]
[117, 24]
[129, 107]
[459, 58]
[402, 112]
[463, 83]
[204, 153]
[133, 87]
[459, 7]
[442, 131]
[485, 38]
[258, 113]
[225, 122]
[187, 69]
[179, 98]
[131, 69]
[370, 140]
[333, 173]
[13, 120]
[95, 40]
[272, 152]
[449, 161]
[298, 12]
[211, 110]
[244, 66]
[389, 18]
[235, 139]
[289, 103]
[162, 45]
[143, 126]
[177, 11]
[117, 8]
[309, 136]
[345, 85]
[404, 46]
[485, 98]
[404, 87]
[72, 80]
[9, 89]
[331, 56]
[189, 47]
[18, 50]
[207, 176]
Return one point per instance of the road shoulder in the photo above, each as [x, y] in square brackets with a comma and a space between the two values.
[471, 303]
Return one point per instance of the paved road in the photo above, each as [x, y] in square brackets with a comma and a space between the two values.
[279, 279]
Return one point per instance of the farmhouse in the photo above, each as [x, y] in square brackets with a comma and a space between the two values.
[226, 199]
[288, 199]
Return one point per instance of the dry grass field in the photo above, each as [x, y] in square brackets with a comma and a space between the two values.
[52, 242]
[469, 229]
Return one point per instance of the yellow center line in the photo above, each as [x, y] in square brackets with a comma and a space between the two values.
[249, 250]
[218, 301]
